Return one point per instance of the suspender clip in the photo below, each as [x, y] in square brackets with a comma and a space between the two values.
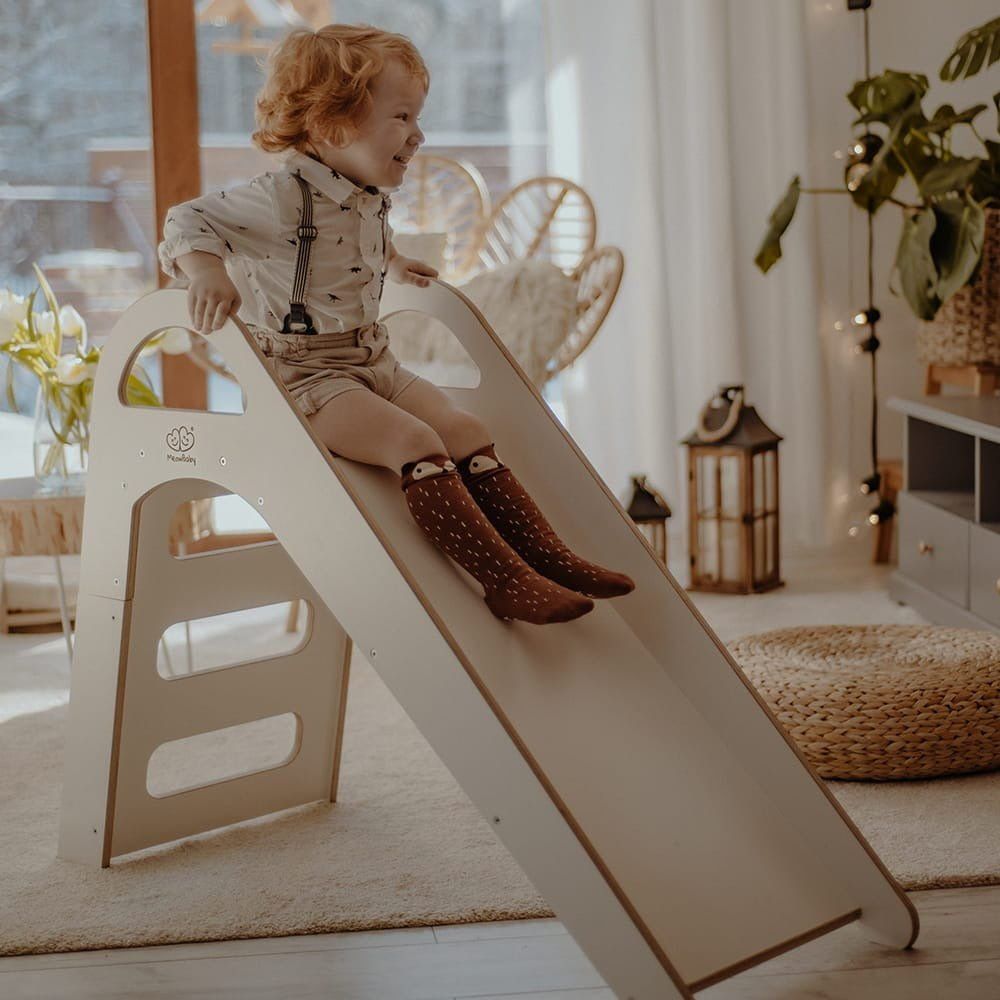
[298, 320]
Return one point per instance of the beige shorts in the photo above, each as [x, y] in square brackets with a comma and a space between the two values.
[315, 368]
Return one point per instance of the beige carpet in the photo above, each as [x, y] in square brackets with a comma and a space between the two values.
[402, 847]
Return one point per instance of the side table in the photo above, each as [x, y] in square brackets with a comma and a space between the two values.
[36, 521]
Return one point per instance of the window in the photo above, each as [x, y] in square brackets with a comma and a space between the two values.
[74, 158]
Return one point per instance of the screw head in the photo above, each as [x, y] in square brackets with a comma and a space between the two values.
[142, 453]
[373, 653]
[116, 581]
[496, 819]
[124, 485]
[222, 461]
[260, 501]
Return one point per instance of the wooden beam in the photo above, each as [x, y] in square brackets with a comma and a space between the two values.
[176, 145]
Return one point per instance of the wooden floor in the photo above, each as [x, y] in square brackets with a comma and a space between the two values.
[956, 958]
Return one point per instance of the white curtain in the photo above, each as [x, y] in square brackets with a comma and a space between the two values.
[684, 120]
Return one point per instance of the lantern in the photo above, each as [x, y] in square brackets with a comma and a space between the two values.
[733, 498]
[650, 512]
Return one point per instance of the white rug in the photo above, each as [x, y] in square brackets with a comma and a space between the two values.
[403, 846]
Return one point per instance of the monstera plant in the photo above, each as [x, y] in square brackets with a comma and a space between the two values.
[941, 240]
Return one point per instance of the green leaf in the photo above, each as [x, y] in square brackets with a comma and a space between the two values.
[951, 176]
[915, 264]
[770, 247]
[986, 182]
[946, 117]
[11, 399]
[880, 98]
[878, 184]
[957, 243]
[971, 51]
[53, 306]
[889, 165]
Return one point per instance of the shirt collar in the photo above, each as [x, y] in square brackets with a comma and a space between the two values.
[333, 184]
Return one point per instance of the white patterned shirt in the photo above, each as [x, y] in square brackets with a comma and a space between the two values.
[252, 227]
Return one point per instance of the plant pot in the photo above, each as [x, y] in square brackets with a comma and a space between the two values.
[61, 440]
[966, 329]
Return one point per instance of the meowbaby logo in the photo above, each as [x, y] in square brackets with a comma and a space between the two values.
[181, 439]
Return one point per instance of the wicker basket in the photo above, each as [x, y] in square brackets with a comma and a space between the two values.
[882, 702]
[966, 329]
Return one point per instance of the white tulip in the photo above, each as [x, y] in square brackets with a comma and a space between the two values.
[7, 330]
[45, 322]
[13, 312]
[176, 340]
[71, 323]
[72, 370]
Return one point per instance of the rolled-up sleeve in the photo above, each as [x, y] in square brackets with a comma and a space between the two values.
[237, 222]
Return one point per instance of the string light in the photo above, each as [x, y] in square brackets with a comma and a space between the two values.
[871, 484]
[861, 154]
[885, 510]
[867, 317]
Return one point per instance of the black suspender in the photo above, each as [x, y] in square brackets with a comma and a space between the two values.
[297, 319]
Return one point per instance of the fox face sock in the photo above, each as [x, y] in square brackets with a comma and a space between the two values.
[449, 516]
[522, 525]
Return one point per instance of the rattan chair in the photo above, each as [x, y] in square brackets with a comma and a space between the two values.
[441, 195]
[598, 278]
[548, 217]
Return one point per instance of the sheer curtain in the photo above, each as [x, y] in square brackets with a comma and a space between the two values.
[684, 119]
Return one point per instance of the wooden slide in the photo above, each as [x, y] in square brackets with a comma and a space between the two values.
[623, 759]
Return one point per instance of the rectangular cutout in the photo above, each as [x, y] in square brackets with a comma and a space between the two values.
[223, 754]
[219, 642]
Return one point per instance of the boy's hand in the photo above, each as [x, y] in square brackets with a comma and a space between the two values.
[408, 271]
[212, 296]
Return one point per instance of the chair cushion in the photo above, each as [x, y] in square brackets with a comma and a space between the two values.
[882, 702]
[530, 304]
[31, 584]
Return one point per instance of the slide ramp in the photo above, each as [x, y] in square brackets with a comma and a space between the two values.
[638, 779]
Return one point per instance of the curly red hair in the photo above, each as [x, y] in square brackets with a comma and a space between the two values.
[320, 81]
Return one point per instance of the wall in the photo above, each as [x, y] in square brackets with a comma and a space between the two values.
[906, 35]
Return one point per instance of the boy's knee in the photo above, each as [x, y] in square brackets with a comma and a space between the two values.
[420, 440]
[466, 426]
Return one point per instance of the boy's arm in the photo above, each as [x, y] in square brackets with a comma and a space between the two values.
[238, 221]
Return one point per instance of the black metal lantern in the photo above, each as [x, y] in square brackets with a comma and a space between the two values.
[733, 498]
[650, 512]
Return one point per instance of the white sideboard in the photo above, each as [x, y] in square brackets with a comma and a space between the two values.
[949, 510]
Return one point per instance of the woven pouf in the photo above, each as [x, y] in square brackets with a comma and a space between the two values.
[882, 702]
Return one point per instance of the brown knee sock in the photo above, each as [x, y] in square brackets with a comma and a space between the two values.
[520, 523]
[442, 506]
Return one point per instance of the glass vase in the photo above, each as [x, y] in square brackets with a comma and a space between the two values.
[61, 438]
